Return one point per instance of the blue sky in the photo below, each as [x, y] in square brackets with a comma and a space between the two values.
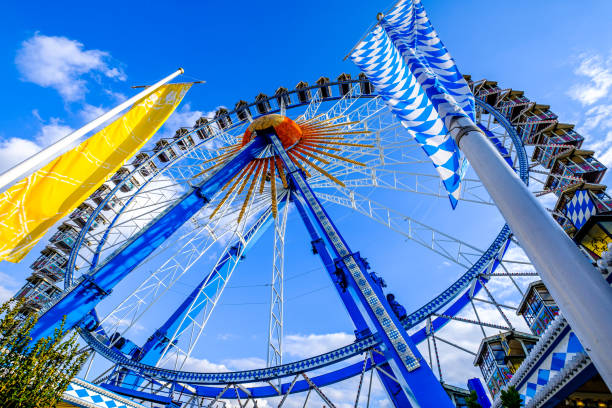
[62, 65]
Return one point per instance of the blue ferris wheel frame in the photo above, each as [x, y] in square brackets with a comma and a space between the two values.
[490, 259]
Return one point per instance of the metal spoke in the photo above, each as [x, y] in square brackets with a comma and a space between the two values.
[443, 244]
[497, 305]
[455, 345]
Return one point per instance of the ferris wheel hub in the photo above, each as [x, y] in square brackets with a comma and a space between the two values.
[287, 130]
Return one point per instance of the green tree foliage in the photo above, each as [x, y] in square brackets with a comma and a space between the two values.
[34, 376]
[472, 400]
[511, 398]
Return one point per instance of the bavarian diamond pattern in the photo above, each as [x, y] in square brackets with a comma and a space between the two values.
[419, 81]
[85, 392]
[580, 208]
[414, 36]
[564, 351]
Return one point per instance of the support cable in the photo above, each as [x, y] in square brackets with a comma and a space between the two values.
[365, 363]
[288, 390]
[433, 338]
[456, 346]
[478, 318]
[463, 319]
[318, 391]
[496, 304]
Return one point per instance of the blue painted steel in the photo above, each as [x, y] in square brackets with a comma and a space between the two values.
[463, 300]
[417, 380]
[262, 374]
[498, 144]
[474, 384]
[351, 350]
[180, 319]
[362, 329]
[93, 287]
[258, 392]
[395, 393]
[69, 270]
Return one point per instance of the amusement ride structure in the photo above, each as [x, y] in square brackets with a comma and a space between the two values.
[314, 147]
[187, 210]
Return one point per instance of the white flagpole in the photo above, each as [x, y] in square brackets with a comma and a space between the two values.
[584, 297]
[43, 157]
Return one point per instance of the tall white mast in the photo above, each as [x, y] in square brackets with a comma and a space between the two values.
[49, 153]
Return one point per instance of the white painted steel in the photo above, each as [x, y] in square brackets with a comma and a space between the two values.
[584, 297]
[43, 157]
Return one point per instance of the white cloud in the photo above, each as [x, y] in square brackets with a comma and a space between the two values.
[15, 150]
[183, 117]
[302, 346]
[91, 112]
[117, 96]
[598, 121]
[599, 72]
[249, 363]
[201, 365]
[60, 63]
[8, 287]
[599, 116]
[52, 132]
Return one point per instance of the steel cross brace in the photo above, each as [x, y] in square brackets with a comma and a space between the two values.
[417, 379]
[395, 393]
[75, 304]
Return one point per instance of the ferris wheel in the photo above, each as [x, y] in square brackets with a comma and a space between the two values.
[152, 263]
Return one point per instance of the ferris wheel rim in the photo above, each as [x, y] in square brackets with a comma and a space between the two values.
[412, 319]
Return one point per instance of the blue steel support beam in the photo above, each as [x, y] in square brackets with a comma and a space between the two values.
[362, 329]
[417, 379]
[97, 285]
[198, 299]
[394, 391]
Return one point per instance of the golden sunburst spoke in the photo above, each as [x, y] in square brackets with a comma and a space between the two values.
[250, 191]
[319, 169]
[346, 144]
[297, 163]
[335, 156]
[273, 188]
[281, 172]
[316, 145]
[236, 179]
[264, 173]
[303, 151]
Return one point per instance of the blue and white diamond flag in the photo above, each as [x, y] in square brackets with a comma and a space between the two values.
[416, 76]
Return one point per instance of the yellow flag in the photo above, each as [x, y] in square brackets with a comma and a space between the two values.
[33, 205]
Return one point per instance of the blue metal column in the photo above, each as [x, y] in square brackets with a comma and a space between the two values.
[155, 345]
[417, 379]
[94, 287]
[394, 390]
[151, 352]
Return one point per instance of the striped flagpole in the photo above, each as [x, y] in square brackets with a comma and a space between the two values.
[49, 153]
